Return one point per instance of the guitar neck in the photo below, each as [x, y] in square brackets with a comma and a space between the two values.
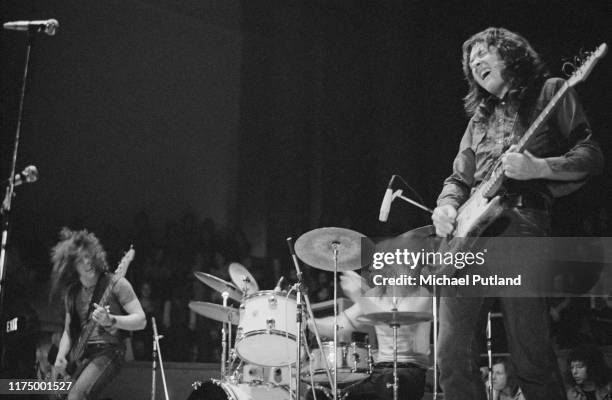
[490, 186]
[78, 350]
[542, 117]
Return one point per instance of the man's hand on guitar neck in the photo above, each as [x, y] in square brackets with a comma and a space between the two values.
[443, 218]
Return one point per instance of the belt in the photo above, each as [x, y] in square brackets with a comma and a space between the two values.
[387, 364]
[534, 201]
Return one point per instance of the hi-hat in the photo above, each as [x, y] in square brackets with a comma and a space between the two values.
[243, 279]
[397, 318]
[316, 248]
[220, 285]
[215, 311]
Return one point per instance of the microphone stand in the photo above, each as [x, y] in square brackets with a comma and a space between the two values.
[156, 354]
[10, 189]
[399, 194]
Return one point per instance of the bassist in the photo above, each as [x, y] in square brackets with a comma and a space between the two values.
[80, 273]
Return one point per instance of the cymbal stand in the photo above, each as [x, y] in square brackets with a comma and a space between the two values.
[435, 344]
[245, 287]
[157, 354]
[304, 294]
[224, 331]
[335, 352]
[395, 383]
[489, 355]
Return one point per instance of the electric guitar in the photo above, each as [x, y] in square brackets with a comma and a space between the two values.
[485, 204]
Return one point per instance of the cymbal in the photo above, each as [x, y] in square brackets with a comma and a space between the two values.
[220, 285]
[316, 248]
[215, 311]
[395, 318]
[243, 279]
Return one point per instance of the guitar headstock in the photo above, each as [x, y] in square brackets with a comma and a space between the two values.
[125, 262]
[587, 66]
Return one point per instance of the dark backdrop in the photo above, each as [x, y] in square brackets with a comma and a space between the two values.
[275, 116]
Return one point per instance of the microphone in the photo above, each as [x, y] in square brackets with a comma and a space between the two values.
[385, 206]
[277, 289]
[28, 175]
[48, 26]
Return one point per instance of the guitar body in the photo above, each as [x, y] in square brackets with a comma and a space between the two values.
[473, 218]
[75, 367]
[476, 215]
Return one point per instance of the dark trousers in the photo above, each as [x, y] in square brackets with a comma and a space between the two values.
[526, 321]
[411, 384]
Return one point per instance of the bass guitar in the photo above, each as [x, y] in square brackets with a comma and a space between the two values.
[76, 363]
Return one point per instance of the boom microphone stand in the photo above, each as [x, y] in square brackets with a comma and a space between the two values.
[10, 189]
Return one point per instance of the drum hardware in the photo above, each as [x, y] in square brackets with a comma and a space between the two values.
[332, 249]
[266, 324]
[220, 285]
[300, 292]
[218, 388]
[224, 333]
[215, 311]
[242, 278]
[395, 319]
[435, 343]
[157, 354]
[355, 363]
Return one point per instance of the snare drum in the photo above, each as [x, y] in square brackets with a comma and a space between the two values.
[224, 390]
[268, 328]
[354, 363]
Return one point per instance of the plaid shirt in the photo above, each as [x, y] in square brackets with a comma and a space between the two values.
[566, 136]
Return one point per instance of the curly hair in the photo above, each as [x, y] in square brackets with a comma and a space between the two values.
[73, 246]
[593, 359]
[524, 68]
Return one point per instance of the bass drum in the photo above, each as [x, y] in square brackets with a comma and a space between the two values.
[223, 390]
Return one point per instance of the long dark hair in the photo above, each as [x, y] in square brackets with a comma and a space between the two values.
[524, 68]
[593, 359]
[72, 246]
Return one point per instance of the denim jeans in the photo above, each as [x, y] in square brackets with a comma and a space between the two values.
[526, 322]
[105, 363]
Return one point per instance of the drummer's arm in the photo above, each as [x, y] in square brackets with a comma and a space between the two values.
[347, 322]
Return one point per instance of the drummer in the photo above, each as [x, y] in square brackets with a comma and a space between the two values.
[412, 340]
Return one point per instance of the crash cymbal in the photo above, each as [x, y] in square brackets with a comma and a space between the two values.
[243, 279]
[316, 248]
[215, 311]
[399, 318]
[220, 285]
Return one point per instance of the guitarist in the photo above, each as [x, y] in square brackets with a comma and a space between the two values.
[80, 273]
[508, 87]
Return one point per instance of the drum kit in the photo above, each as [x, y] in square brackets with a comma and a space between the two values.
[266, 357]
